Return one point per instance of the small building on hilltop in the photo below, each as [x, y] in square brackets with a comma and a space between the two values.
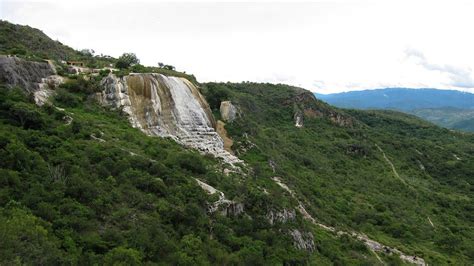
[76, 63]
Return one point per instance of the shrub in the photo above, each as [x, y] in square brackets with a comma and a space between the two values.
[123, 256]
[65, 98]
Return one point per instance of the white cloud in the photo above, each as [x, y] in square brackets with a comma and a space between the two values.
[327, 46]
[460, 77]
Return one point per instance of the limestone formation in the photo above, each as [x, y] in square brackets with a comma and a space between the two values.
[222, 205]
[282, 216]
[304, 241]
[299, 119]
[228, 111]
[168, 107]
[37, 78]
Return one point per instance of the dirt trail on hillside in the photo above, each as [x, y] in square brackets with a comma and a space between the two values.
[371, 244]
[394, 170]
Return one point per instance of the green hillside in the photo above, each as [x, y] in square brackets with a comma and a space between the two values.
[80, 186]
[455, 118]
[346, 182]
[28, 41]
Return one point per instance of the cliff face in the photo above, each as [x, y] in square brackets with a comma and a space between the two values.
[38, 78]
[168, 107]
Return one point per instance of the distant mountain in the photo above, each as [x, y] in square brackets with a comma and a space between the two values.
[448, 108]
[400, 99]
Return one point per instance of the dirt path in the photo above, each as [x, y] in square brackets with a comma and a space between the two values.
[373, 245]
[391, 164]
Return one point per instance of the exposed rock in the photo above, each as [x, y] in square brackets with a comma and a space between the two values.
[282, 216]
[422, 167]
[228, 111]
[306, 105]
[303, 241]
[167, 107]
[273, 165]
[357, 150]
[298, 119]
[222, 205]
[37, 78]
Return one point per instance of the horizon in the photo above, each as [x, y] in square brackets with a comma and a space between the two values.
[390, 88]
[320, 49]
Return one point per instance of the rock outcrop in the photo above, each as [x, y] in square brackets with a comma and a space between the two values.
[168, 107]
[222, 205]
[282, 216]
[299, 117]
[37, 78]
[303, 241]
[228, 111]
[307, 106]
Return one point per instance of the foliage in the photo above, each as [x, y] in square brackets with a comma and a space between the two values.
[345, 181]
[33, 44]
[67, 198]
[127, 60]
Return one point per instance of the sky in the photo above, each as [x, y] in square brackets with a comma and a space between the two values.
[322, 46]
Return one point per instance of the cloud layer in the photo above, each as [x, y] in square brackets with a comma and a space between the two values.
[460, 77]
[324, 46]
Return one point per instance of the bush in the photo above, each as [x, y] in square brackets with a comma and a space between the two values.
[122, 256]
[65, 98]
[192, 163]
[27, 116]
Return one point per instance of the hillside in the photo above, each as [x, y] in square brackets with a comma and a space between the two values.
[28, 41]
[446, 108]
[390, 175]
[134, 168]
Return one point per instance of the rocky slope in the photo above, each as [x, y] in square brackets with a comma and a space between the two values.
[37, 78]
[167, 107]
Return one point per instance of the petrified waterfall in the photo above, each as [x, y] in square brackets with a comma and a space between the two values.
[168, 107]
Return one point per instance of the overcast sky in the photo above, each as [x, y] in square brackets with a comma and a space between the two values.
[324, 46]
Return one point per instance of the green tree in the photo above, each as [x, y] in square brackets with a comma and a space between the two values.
[25, 238]
[126, 60]
[123, 256]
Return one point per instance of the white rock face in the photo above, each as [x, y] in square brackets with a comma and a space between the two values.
[304, 241]
[299, 119]
[282, 216]
[37, 78]
[223, 205]
[167, 107]
[228, 111]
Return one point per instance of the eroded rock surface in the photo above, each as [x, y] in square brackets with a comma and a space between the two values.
[303, 240]
[282, 216]
[167, 107]
[37, 78]
[222, 205]
[228, 111]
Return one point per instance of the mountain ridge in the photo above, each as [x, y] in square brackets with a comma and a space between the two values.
[447, 108]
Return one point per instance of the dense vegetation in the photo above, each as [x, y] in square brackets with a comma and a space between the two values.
[96, 191]
[344, 179]
[449, 117]
[33, 44]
